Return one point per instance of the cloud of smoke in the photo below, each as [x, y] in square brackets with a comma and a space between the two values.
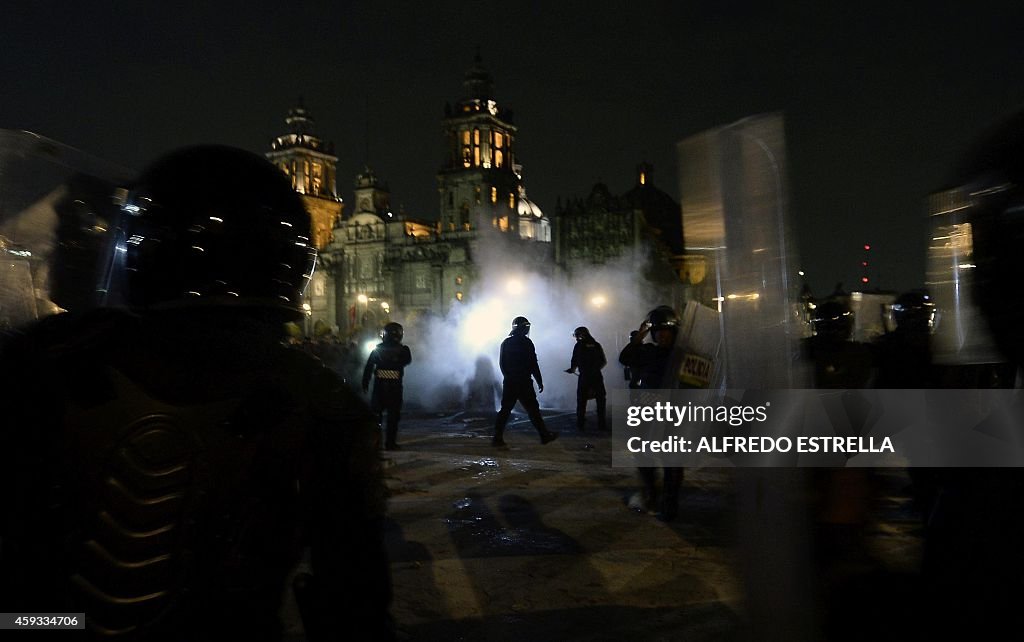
[611, 300]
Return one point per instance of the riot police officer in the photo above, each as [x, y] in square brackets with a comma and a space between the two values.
[518, 363]
[973, 558]
[386, 366]
[164, 457]
[838, 361]
[653, 363]
[588, 357]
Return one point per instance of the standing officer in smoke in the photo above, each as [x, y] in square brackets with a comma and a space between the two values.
[386, 365]
[588, 356]
[164, 459]
[518, 363]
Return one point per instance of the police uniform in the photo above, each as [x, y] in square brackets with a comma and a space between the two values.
[165, 462]
[386, 366]
[588, 357]
[518, 363]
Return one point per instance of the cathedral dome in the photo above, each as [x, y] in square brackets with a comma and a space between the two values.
[529, 208]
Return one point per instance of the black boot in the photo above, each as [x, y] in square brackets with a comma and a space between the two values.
[498, 440]
[547, 437]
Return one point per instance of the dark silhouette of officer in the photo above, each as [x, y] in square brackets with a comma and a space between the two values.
[653, 363]
[631, 375]
[518, 364]
[386, 366]
[973, 560]
[165, 458]
[838, 361]
[588, 357]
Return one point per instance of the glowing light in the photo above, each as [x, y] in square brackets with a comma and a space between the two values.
[305, 306]
[362, 298]
[216, 219]
[514, 287]
[598, 300]
[286, 223]
[867, 247]
[369, 346]
[801, 273]
[484, 325]
[132, 209]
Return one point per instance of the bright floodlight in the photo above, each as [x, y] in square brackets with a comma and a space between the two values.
[514, 286]
[484, 326]
[362, 298]
[598, 300]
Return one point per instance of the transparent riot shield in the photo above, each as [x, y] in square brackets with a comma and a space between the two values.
[733, 182]
[961, 336]
[56, 209]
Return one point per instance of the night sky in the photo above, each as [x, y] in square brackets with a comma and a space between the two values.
[879, 101]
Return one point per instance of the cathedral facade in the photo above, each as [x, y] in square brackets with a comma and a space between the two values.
[377, 264]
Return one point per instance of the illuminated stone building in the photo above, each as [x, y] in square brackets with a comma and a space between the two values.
[378, 263]
[481, 182]
[311, 164]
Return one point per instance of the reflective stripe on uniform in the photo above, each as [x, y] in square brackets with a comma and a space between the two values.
[389, 374]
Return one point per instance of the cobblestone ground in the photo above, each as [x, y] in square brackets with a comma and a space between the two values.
[536, 542]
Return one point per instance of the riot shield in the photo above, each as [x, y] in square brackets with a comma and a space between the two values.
[57, 205]
[733, 182]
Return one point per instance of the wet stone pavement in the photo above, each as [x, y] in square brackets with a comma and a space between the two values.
[537, 543]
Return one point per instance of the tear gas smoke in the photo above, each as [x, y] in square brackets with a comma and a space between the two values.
[611, 300]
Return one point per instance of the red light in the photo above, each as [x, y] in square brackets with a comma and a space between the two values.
[863, 279]
[864, 263]
[867, 247]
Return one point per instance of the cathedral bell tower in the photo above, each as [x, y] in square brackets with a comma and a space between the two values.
[311, 165]
[478, 183]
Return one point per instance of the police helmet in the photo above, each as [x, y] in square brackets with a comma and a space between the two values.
[392, 332]
[913, 311]
[521, 325]
[212, 225]
[581, 333]
[663, 317]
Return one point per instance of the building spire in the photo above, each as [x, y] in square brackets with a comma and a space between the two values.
[478, 83]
